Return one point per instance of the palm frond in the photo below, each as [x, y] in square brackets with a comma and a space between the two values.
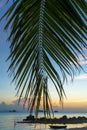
[44, 32]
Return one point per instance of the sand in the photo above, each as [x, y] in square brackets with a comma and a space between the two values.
[84, 128]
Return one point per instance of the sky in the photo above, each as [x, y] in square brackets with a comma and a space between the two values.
[76, 91]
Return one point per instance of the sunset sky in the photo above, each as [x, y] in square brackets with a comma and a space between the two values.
[76, 91]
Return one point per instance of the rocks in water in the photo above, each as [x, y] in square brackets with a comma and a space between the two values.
[30, 117]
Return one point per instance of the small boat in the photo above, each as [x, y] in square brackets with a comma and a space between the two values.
[58, 126]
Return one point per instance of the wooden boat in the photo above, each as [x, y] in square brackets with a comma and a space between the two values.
[58, 126]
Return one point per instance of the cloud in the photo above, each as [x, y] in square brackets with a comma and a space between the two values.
[6, 107]
[81, 77]
[81, 60]
[68, 107]
[14, 106]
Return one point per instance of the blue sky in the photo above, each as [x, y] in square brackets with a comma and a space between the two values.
[76, 91]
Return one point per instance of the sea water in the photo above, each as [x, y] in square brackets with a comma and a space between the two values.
[8, 121]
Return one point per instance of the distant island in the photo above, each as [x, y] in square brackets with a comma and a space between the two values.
[43, 111]
[12, 110]
[6, 111]
[55, 111]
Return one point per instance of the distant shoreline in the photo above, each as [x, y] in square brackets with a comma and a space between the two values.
[62, 120]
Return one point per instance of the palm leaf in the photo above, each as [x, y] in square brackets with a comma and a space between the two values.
[44, 32]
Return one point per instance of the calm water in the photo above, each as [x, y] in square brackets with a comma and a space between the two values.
[7, 121]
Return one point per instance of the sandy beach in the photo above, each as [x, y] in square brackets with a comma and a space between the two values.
[84, 128]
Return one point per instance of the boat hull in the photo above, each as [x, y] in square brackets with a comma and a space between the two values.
[57, 127]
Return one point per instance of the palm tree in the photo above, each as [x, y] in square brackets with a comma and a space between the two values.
[43, 32]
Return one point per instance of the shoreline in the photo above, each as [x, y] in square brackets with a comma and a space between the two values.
[61, 120]
[83, 128]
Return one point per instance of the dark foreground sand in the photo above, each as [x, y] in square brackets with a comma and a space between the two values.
[84, 128]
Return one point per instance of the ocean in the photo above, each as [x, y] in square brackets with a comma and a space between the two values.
[8, 119]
